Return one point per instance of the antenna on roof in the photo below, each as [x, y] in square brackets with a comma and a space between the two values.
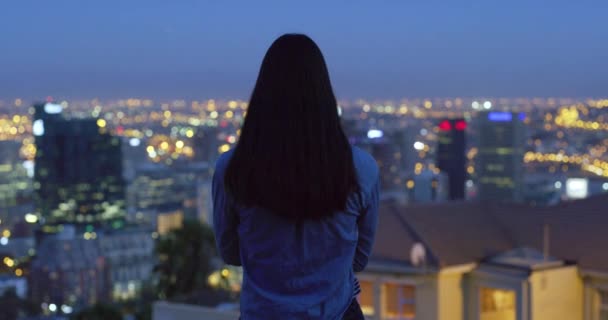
[418, 254]
[546, 241]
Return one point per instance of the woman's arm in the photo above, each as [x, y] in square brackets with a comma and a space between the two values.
[367, 222]
[225, 221]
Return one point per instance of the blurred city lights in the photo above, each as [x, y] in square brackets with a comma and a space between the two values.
[375, 134]
[31, 218]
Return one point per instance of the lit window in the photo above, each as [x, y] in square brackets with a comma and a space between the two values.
[366, 298]
[399, 301]
[603, 305]
[497, 304]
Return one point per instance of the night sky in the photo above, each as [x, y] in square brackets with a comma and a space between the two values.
[374, 49]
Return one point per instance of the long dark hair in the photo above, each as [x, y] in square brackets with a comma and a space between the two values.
[292, 156]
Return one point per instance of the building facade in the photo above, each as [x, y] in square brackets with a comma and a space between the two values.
[502, 138]
[451, 158]
[78, 173]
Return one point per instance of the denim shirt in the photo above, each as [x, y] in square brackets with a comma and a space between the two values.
[299, 270]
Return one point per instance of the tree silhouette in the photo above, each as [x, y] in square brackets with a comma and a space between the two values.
[184, 259]
[10, 304]
[98, 312]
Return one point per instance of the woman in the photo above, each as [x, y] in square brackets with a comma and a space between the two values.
[294, 203]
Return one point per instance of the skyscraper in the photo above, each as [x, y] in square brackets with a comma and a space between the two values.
[451, 158]
[78, 173]
[500, 159]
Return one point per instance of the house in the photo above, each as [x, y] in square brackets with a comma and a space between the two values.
[475, 261]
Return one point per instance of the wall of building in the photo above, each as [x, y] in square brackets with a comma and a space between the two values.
[174, 311]
[450, 295]
[557, 294]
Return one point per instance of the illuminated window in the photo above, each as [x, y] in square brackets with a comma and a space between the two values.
[366, 297]
[603, 305]
[497, 304]
[399, 301]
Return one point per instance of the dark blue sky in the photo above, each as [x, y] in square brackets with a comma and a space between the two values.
[202, 49]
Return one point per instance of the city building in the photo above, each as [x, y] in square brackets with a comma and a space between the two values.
[129, 256]
[204, 202]
[15, 183]
[502, 139]
[78, 173]
[387, 148]
[163, 196]
[69, 269]
[100, 265]
[206, 143]
[427, 186]
[168, 218]
[13, 282]
[451, 157]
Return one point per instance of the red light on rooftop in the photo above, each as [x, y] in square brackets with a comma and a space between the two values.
[49, 99]
[445, 125]
[120, 130]
[461, 125]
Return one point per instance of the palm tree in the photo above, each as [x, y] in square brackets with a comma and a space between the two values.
[184, 259]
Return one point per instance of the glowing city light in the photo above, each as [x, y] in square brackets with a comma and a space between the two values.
[375, 134]
[38, 127]
[31, 218]
[558, 185]
[487, 105]
[224, 148]
[3, 241]
[445, 125]
[101, 123]
[52, 307]
[52, 108]
[461, 125]
[500, 116]
[419, 145]
[66, 309]
[134, 142]
[9, 262]
[28, 165]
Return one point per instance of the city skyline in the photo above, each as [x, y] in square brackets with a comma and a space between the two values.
[198, 49]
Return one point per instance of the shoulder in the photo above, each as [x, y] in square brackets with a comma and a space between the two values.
[222, 162]
[366, 166]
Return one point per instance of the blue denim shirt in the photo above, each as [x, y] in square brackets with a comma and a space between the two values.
[297, 270]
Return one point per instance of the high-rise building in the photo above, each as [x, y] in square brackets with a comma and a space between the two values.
[387, 147]
[500, 159]
[15, 184]
[451, 157]
[78, 173]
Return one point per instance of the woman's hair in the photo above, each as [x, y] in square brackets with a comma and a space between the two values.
[292, 156]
